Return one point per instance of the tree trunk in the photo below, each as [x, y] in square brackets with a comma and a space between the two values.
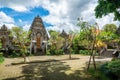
[70, 55]
[94, 62]
[89, 62]
[23, 53]
[25, 58]
[92, 56]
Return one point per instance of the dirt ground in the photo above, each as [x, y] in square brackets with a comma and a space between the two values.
[47, 68]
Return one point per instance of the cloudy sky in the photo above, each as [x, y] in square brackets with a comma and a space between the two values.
[56, 14]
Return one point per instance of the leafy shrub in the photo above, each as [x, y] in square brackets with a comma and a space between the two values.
[114, 67]
[19, 53]
[13, 55]
[60, 51]
[104, 68]
[54, 51]
[86, 52]
[111, 69]
[107, 71]
[98, 74]
[1, 58]
[75, 49]
[48, 52]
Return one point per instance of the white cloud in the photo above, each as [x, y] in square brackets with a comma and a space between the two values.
[26, 27]
[19, 8]
[59, 16]
[63, 14]
[9, 26]
[89, 15]
[107, 20]
[7, 20]
[20, 20]
[67, 27]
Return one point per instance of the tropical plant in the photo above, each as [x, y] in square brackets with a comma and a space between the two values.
[85, 34]
[89, 33]
[56, 42]
[21, 39]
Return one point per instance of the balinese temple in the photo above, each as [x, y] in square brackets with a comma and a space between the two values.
[38, 36]
[4, 37]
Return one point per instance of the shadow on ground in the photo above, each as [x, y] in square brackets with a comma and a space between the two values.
[51, 70]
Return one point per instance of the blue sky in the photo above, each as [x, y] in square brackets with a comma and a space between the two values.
[56, 14]
[22, 18]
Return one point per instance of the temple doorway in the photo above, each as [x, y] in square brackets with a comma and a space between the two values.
[38, 41]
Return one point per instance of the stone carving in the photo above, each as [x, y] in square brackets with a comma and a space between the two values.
[4, 37]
